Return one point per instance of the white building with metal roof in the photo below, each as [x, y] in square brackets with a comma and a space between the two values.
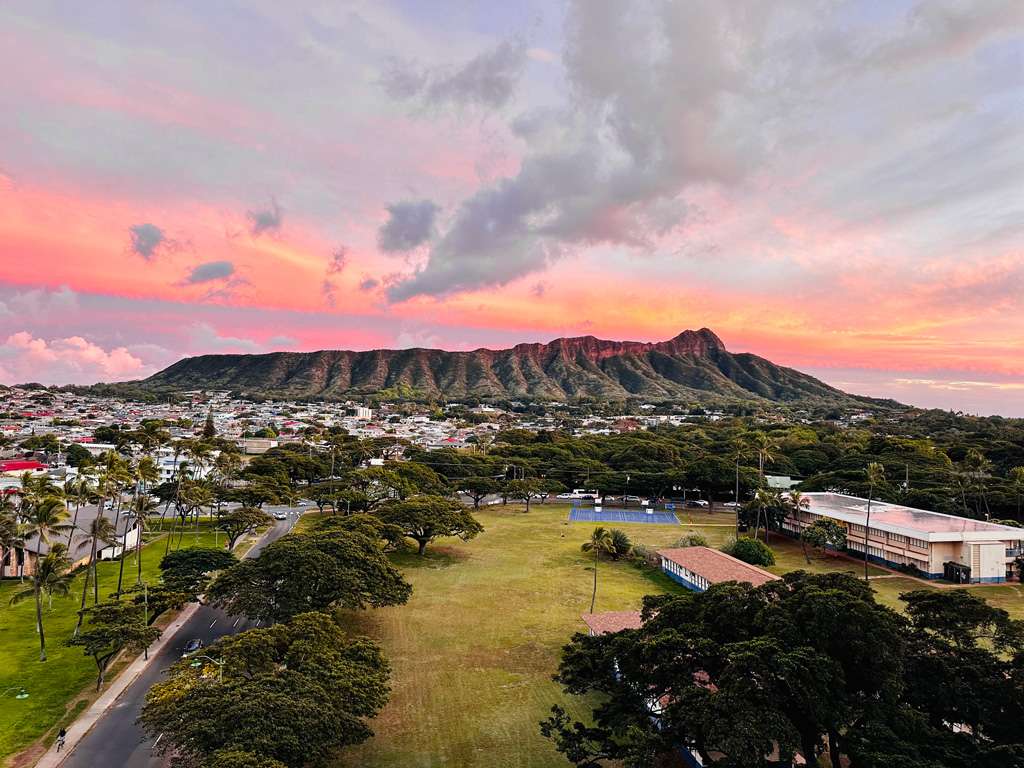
[939, 545]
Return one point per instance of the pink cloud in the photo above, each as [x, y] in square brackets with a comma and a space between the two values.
[24, 357]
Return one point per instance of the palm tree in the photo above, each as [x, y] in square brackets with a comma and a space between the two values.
[10, 534]
[765, 499]
[43, 519]
[1017, 479]
[53, 576]
[100, 529]
[600, 541]
[137, 516]
[764, 446]
[876, 477]
[796, 501]
[978, 468]
[77, 491]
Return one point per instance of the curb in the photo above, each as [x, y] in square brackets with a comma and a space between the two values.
[84, 722]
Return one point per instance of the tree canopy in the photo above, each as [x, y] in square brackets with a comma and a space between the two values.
[751, 676]
[291, 693]
[425, 518]
[312, 571]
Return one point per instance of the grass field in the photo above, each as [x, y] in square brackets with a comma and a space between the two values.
[474, 649]
[55, 684]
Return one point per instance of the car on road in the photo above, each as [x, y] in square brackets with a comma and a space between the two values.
[280, 515]
[699, 503]
[303, 503]
[731, 504]
[192, 646]
[629, 499]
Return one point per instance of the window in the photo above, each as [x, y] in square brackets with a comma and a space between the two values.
[897, 538]
[919, 543]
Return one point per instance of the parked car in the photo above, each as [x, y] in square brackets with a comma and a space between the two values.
[192, 646]
[630, 499]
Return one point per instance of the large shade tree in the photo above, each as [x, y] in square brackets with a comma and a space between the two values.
[425, 518]
[293, 693]
[311, 571]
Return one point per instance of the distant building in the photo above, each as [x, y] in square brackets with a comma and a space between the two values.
[698, 568]
[940, 546]
[781, 482]
[18, 467]
[611, 621]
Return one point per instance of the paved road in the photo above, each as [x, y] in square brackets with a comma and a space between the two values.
[116, 740]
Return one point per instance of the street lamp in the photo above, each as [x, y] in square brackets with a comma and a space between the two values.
[21, 692]
[220, 666]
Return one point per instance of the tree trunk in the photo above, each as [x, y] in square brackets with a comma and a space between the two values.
[593, 596]
[834, 754]
[138, 557]
[120, 567]
[422, 546]
[85, 591]
[39, 618]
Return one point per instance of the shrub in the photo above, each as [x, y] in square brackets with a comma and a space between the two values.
[644, 556]
[692, 540]
[621, 544]
[751, 551]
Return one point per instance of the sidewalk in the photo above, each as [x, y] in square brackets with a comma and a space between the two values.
[84, 722]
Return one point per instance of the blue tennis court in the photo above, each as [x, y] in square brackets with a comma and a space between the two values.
[609, 515]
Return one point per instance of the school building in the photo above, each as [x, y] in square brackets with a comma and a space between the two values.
[940, 546]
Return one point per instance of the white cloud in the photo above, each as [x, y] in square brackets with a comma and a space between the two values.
[24, 358]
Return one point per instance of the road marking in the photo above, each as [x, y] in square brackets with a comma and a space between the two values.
[212, 623]
[236, 622]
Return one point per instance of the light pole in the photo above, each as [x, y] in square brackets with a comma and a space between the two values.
[220, 665]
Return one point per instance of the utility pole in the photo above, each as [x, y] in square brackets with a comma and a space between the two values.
[736, 496]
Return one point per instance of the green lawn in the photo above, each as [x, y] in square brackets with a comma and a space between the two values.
[474, 649]
[53, 685]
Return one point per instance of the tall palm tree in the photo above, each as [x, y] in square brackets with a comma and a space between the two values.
[796, 502]
[53, 576]
[10, 533]
[43, 519]
[100, 529]
[765, 447]
[600, 541]
[77, 491]
[1017, 480]
[876, 477]
[765, 499]
[977, 468]
[136, 518]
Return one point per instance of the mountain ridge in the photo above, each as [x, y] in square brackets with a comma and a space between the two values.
[693, 366]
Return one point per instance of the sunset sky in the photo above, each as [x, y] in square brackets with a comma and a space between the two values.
[838, 187]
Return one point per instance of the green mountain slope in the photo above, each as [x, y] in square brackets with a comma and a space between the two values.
[693, 366]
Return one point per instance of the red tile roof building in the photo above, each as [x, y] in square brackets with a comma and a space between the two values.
[611, 621]
[697, 568]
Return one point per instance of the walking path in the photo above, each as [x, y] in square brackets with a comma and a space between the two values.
[84, 722]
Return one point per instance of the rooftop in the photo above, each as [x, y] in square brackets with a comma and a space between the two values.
[716, 566]
[917, 523]
[612, 621]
